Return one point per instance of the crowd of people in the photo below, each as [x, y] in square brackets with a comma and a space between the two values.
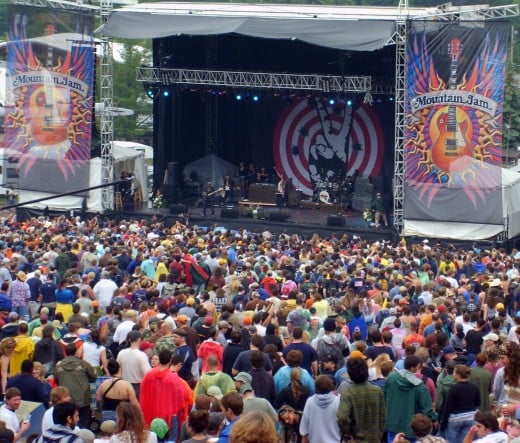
[147, 332]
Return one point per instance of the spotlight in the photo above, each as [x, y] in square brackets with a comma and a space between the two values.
[149, 93]
[238, 97]
[166, 93]
[391, 99]
[349, 102]
[332, 101]
[255, 98]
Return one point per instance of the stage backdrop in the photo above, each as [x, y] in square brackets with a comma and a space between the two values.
[315, 141]
[453, 106]
[50, 66]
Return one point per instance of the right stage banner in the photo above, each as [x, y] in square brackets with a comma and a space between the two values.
[453, 114]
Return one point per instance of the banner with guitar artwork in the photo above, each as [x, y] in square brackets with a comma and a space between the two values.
[453, 111]
[50, 77]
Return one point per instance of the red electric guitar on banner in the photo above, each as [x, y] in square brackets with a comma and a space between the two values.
[451, 126]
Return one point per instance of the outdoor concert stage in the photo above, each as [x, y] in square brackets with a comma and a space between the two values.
[321, 219]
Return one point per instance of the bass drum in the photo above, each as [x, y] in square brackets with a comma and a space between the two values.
[324, 197]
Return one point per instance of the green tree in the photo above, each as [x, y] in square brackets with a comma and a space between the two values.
[129, 93]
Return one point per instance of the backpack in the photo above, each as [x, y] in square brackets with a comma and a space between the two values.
[329, 351]
[296, 318]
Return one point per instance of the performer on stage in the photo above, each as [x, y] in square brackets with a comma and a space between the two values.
[125, 186]
[208, 199]
[280, 189]
[349, 187]
[379, 208]
[242, 177]
[229, 187]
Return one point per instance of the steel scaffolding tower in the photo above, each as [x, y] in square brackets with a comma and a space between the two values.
[400, 85]
[107, 118]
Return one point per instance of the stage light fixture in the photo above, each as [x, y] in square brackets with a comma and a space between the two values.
[166, 93]
[349, 102]
[256, 98]
[332, 101]
[149, 93]
[390, 99]
[238, 97]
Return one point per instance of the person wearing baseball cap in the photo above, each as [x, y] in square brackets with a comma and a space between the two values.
[243, 378]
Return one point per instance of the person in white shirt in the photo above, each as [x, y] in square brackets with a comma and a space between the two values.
[104, 290]
[134, 362]
[58, 395]
[125, 327]
[13, 397]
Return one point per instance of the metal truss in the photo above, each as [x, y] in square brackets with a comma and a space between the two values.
[400, 86]
[256, 80]
[62, 4]
[448, 12]
[107, 118]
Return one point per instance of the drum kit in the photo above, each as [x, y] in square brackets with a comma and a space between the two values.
[329, 191]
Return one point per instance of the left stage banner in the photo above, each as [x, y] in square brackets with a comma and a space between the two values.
[50, 97]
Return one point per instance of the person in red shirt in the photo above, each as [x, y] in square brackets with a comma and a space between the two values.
[176, 396]
[211, 347]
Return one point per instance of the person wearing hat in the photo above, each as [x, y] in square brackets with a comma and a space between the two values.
[160, 428]
[241, 379]
[20, 294]
[106, 430]
[256, 404]
[188, 310]
[214, 393]
[491, 341]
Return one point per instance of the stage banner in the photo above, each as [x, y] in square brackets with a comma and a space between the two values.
[318, 142]
[50, 77]
[453, 111]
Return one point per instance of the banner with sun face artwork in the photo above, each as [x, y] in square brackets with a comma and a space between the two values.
[453, 112]
[50, 76]
[317, 142]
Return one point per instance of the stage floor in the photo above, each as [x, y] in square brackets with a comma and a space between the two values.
[305, 221]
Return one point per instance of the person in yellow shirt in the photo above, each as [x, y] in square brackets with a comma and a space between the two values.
[23, 350]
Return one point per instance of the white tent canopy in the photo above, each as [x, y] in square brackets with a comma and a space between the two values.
[125, 158]
[344, 27]
[477, 231]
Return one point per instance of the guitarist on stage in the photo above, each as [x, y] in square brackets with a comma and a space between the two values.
[207, 199]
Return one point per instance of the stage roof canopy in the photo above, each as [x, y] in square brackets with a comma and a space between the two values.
[342, 27]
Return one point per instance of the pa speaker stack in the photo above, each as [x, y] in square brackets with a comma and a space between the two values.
[335, 220]
[281, 215]
[229, 212]
[177, 208]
